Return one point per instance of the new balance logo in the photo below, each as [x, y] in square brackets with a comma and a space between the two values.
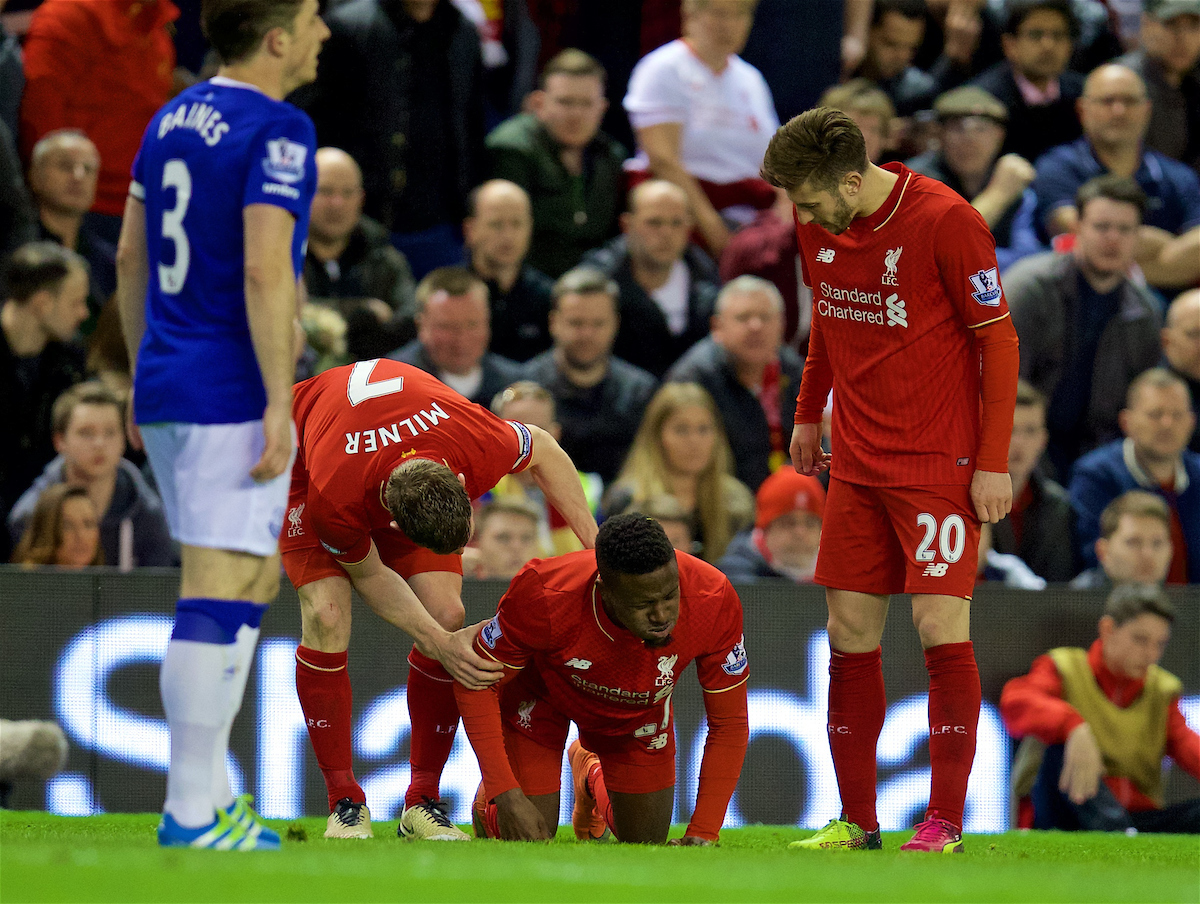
[897, 315]
[658, 742]
[936, 570]
[581, 664]
[825, 256]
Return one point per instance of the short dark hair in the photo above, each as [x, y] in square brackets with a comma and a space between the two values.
[429, 505]
[92, 392]
[1128, 601]
[1121, 189]
[1020, 10]
[909, 9]
[585, 281]
[1136, 504]
[820, 146]
[631, 544]
[573, 61]
[1155, 378]
[236, 28]
[1030, 396]
[452, 281]
[38, 267]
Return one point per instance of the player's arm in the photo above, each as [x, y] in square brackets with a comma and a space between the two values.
[396, 603]
[558, 478]
[1174, 261]
[661, 143]
[1183, 744]
[807, 455]
[133, 278]
[724, 751]
[270, 286]
[1033, 704]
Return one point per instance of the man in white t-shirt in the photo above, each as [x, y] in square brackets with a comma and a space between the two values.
[703, 117]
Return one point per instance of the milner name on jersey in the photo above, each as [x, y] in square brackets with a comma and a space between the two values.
[389, 434]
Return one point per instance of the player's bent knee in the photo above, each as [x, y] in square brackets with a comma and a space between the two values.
[450, 614]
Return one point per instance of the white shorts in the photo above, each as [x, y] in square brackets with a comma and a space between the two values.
[210, 499]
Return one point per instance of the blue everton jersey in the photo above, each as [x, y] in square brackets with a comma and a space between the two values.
[212, 151]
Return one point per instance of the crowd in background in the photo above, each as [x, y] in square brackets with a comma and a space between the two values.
[555, 207]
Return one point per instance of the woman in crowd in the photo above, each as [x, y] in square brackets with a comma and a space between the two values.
[64, 530]
[680, 450]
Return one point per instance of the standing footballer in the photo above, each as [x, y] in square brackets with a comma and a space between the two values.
[212, 244]
[911, 332]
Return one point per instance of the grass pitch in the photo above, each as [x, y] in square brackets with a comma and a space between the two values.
[115, 858]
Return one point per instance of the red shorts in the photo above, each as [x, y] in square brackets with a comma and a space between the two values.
[885, 540]
[535, 736]
[305, 560]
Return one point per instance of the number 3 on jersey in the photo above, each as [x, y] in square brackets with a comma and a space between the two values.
[176, 176]
[951, 536]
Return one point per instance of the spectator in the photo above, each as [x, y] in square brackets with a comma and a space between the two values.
[675, 522]
[12, 79]
[681, 450]
[497, 230]
[1115, 113]
[351, 264]
[64, 530]
[1001, 567]
[897, 30]
[972, 126]
[533, 406]
[509, 42]
[1181, 348]
[569, 168]
[400, 89]
[89, 436]
[1157, 422]
[103, 68]
[1033, 82]
[870, 108]
[600, 398]
[506, 537]
[18, 222]
[452, 336]
[47, 288]
[668, 286]
[1040, 529]
[62, 178]
[786, 534]
[751, 375]
[1168, 61]
[1106, 717]
[703, 117]
[1134, 543]
[1086, 329]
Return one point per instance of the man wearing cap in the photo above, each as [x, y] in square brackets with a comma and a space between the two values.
[786, 533]
[1032, 81]
[1168, 60]
[972, 125]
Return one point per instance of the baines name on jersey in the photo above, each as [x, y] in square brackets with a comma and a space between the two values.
[201, 118]
[381, 437]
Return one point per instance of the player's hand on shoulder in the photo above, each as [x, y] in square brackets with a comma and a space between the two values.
[457, 654]
[991, 492]
[277, 452]
[690, 841]
[807, 455]
[518, 819]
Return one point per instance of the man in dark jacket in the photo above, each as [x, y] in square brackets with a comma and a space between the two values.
[751, 375]
[1040, 529]
[452, 336]
[89, 434]
[668, 285]
[400, 88]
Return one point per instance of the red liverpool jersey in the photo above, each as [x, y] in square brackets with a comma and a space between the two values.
[596, 672]
[895, 298]
[357, 423]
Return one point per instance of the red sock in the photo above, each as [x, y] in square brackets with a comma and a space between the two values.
[857, 706]
[433, 715]
[954, 697]
[595, 783]
[323, 686]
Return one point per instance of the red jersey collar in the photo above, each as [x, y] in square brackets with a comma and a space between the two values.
[1120, 690]
[890, 206]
